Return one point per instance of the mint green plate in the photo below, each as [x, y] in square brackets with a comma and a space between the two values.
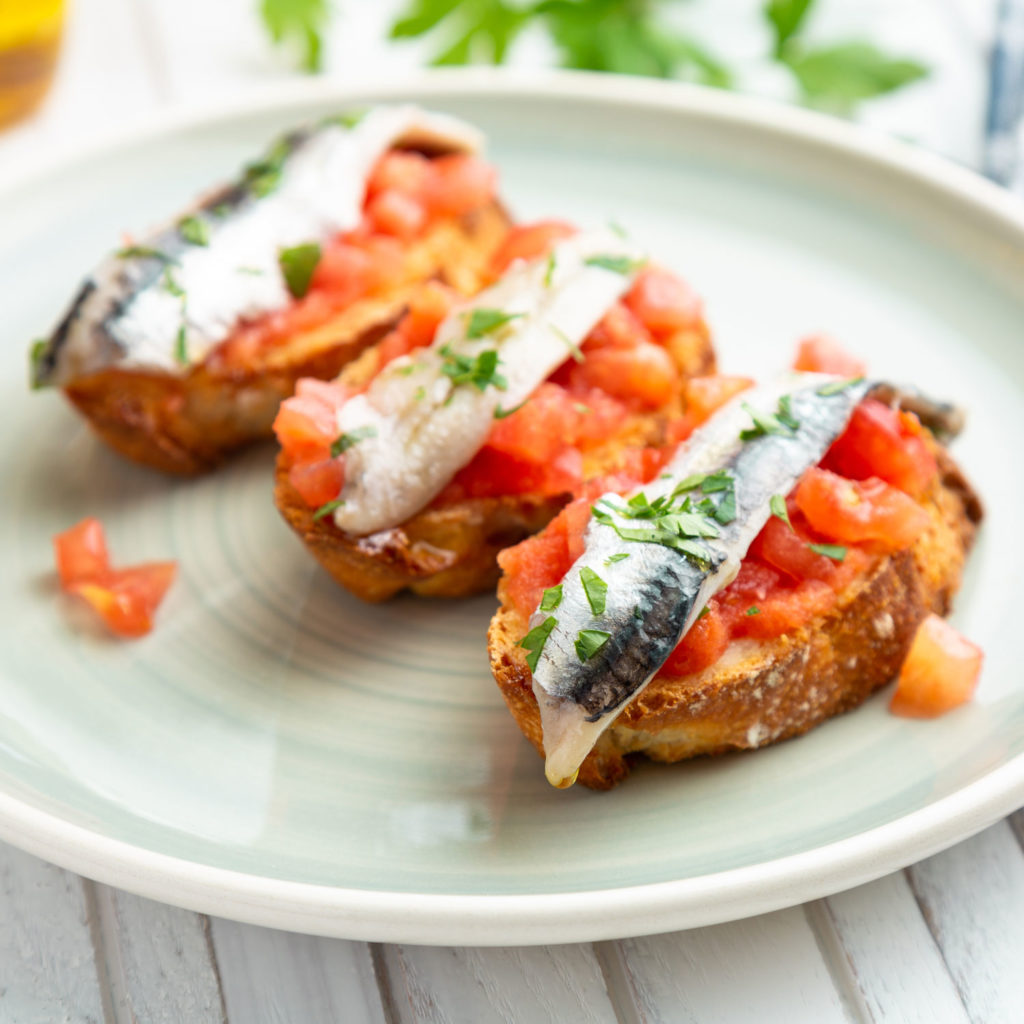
[278, 752]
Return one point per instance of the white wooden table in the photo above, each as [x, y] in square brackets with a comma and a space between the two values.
[941, 941]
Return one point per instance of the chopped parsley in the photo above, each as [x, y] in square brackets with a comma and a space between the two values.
[620, 557]
[549, 270]
[346, 119]
[171, 285]
[420, 394]
[480, 371]
[327, 508]
[501, 414]
[535, 640]
[779, 510]
[181, 345]
[194, 230]
[343, 442]
[482, 322]
[780, 423]
[589, 642]
[297, 266]
[615, 263]
[574, 350]
[704, 611]
[552, 598]
[263, 176]
[836, 387]
[834, 551]
[37, 355]
[753, 610]
[222, 210]
[143, 252]
[595, 588]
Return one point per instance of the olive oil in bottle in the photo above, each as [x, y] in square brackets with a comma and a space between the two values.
[29, 42]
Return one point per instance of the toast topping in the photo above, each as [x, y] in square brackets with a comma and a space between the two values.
[686, 534]
[433, 409]
[166, 302]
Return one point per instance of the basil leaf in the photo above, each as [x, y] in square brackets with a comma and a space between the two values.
[589, 642]
[535, 640]
[297, 267]
[595, 589]
[552, 598]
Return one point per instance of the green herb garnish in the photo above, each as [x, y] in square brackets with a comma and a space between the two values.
[194, 230]
[343, 442]
[780, 423]
[481, 322]
[834, 551]
[501, 414]
[552, 598]
[595, 588]
[297, 266]
[836, 387]
[181, 346]
[479, 371]
[327, 508]
[779, 510]
[616, 264]
[420, 393]
[620, 557]
[574, 350]
[549, 270]
[704, 611]
[346, 119]
[299, 21]
[752, 610]
[263, 176]
[143, 252]
[535, 640]
[589, 642]
[171, 285]
[252, 271]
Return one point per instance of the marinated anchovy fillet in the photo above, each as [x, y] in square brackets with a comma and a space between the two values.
[427, 414]
[619, 618]
[165, 302]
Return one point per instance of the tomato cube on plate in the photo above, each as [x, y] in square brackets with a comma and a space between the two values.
[940, 673]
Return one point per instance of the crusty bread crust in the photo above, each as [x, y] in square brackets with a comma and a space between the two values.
[189, 423]
[451, 550]
[761, 692]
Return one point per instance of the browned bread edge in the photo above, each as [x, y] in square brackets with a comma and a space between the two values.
[187, 424]
[762, 692]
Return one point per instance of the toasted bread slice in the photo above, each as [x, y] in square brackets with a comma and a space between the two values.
[450, 550]
[189, 423]
[761, 692]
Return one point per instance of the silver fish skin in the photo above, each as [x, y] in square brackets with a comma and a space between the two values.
[132, 309]
[656, 594]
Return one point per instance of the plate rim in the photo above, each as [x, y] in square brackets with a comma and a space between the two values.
[526, 919]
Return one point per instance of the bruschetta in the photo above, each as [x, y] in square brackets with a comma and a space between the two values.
[179, 347]
[471, 425]
[773, 575]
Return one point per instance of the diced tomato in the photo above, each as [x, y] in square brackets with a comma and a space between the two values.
[126, 599]
[396, 213]
[400, 171]
[663, 302]
[529, 242]
[327, 393]
[618, 328]
[883, 442]
[821, 354]
[81, 552]
[540, 429]
[344, 270]
[940, 673]
[854, 510]
[459, 183]
[599, 416]
[534, 565]
[576, 516]
[703, 645]
[706, 395]
[781, 547]
[387, 260]
[641, 465]
[317, 481]
[644, 376]
[428, 306]
[305, 426]
[493, 473]
[758, 603]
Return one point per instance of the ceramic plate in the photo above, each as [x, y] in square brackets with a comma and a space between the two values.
[280, 753]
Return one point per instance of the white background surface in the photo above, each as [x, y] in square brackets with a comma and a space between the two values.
[941, 941]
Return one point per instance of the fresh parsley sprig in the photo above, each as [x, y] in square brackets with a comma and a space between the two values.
[480, 371]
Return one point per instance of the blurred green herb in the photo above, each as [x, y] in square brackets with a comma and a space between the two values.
[635, 37]
[301, 22]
